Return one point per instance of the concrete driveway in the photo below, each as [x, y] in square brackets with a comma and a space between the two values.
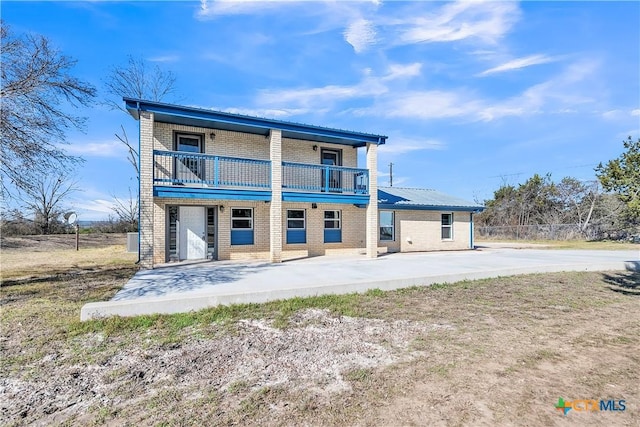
[182, 288]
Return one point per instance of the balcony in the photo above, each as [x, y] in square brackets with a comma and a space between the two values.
[195, 175]
[324, 179]
[204, 170]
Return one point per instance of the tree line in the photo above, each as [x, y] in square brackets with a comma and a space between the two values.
[607, 207]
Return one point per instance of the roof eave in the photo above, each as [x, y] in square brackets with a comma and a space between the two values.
[254, 124]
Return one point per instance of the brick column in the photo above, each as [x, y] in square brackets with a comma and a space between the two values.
[372, 208]
[146, 190]
[275, 217]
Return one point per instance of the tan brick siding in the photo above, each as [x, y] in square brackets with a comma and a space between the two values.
[424, 230]
[245, 145]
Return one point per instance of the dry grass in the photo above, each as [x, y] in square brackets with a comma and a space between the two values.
[609, 245]
[490, 352]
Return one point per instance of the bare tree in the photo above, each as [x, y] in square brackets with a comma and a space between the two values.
[127, 211]
[45, 198]
[35, 93]
[138, 80]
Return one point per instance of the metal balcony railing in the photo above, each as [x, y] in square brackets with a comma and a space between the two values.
[324, 178]
[181, 168]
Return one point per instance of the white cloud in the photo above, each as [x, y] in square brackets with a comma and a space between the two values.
[561, 93]
[397, 71]
[323, 97]
[360, 34]
[97, 149]
[518, 63]
[635, 112]
[612, 114]
[485, 21]
[164, 58]
[404, 145]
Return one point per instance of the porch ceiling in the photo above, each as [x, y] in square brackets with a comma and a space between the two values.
[190, 116]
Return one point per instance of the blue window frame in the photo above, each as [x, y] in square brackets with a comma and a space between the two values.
[296, 226]
[242, 226]
[332, 227]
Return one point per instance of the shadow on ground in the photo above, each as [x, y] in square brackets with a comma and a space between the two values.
[179, 279]
[626, 283]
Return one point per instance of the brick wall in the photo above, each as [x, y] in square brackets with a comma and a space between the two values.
[424, 230]
[245, 145]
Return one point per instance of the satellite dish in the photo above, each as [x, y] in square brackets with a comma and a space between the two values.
[71, 217]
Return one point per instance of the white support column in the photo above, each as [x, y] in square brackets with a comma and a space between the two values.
[372, 208]
[275, 220]
[146, 190]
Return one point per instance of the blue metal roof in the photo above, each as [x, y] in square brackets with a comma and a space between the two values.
[422, 199]
[200, 117]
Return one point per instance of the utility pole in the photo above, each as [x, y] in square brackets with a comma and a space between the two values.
[390, 174]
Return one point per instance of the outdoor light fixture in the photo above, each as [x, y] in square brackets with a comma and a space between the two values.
[314, 206]
[221, 208]
[315, 148]
[212, 135]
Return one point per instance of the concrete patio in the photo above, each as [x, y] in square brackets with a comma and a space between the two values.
[181, 288]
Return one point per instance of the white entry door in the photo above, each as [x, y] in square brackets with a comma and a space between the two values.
[193, 244]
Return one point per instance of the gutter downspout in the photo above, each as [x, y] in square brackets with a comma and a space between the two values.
[139, 177]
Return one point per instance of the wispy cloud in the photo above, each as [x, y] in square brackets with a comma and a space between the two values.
[370, 86]
[563, 92]
[164, 58]
[367, 23]
[635, 112]
[360, 34]
[485, 21]
[518, 63]
[97, 149]
[401, 145]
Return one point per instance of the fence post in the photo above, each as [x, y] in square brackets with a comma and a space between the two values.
[215, 171]
[326, 179]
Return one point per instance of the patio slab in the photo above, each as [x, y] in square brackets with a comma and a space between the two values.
[182, 288]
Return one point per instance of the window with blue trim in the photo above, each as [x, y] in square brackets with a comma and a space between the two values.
[296, 226]
[242, 226]
[332, 227]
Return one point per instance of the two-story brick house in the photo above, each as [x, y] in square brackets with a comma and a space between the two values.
[216, 185]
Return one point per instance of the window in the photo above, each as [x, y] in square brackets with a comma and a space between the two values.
[242, 226]
[295, 219]
[173, 232]
[387, 231]
[332, 227]
[296, 226]
[211, 230]
[242, 219]
[189, 166]
[447, 226]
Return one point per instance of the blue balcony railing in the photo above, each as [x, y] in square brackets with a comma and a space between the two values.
[180, 168]
[324, 178]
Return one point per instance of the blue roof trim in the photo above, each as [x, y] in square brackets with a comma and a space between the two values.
[351, 199]
[423, 199]
[210, 193]
[388, 206]
[252, 124]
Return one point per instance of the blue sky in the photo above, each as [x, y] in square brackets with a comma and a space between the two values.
[471, 94]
